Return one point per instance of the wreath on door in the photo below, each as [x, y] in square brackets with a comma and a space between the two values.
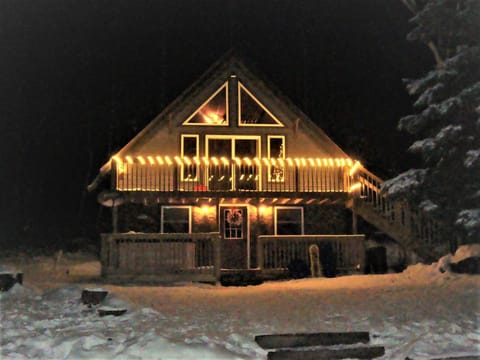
[235, 217]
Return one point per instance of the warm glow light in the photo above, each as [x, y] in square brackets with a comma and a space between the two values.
[141, 159]
[205, 160]
[274, 163]
[215, 161]
[248, 161]
[257, 161]
[330, 162]
[289, 162]
[177, 160]
[116, 159]
[262, 209]
[355, 167]
[342, 162]
[349, 162]
[354, 187]
[187, 160]
[311, 162]
[205, 209]
[224, 161]
[237, 161]
[265, 161]
[159, 160]
[319, 162]
[297, 162]
[196, 160]
[151, 161]
[168, 160]
[304, 162]
[282, 163]
[211, 117]
[337, 162]
[325, 162]
[129, 159]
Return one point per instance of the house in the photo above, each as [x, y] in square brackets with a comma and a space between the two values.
[232, 175]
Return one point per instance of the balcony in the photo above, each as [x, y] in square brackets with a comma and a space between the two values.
[224, 175]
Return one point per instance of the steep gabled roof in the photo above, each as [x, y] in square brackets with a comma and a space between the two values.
[228, 64]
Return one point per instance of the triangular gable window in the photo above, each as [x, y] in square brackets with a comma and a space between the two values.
[213, 112]
[251, 112]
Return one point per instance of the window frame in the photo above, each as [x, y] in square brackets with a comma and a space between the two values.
[162, 217]
[302, 218]
[227, 110]
[241, 87]
[232, 139]
[269, 154]
[182, 154]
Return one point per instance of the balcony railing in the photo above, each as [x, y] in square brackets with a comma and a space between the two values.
[166, 174]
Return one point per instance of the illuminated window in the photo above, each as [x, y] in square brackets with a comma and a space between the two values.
[189, 149]
[176, 219]
[288, 220]
[251, 112]
[213, 112]
[245, 174]
[276, 150]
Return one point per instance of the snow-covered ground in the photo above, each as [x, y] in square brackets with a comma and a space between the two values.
[421, 313]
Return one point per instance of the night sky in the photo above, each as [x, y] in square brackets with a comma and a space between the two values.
[79, 78]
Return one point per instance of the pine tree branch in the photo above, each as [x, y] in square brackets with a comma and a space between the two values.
[413, 7]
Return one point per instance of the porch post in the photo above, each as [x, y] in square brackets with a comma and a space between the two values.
[114, 218]
[354, 221]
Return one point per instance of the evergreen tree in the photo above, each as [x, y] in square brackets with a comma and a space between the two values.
[446, 123]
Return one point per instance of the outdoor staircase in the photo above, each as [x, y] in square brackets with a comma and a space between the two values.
[410, 227]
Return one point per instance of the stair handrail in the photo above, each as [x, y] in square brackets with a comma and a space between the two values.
[417, 228]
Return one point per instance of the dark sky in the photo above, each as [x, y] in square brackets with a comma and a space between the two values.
[79, 78]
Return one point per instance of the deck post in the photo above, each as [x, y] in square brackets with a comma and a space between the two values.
[114, 218]
[217, 256]
[354, 220]
[259, 253]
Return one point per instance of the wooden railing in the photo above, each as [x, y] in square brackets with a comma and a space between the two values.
[166, 174]
[409, 226]
[276, 252]
[161, 256]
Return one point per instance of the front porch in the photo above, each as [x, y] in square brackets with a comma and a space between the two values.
[155, 257]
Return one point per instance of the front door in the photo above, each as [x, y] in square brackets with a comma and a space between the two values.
[234, 231]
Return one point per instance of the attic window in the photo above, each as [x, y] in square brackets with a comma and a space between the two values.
[213, 112]
[252, 112]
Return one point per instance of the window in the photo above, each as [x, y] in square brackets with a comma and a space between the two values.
[176, 219]
[288, 221]
[213, 112]
[246, 175]
[233, 223]
[251, 112]
[189, 148]
[276, 150]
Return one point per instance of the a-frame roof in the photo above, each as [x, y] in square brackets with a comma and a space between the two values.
[232, 64]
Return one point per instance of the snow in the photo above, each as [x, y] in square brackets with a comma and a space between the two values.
[404, 182]
[420, 313]
[469, 219]
[428, 206]
[472, 158]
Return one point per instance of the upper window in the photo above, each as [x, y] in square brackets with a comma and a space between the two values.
[176, 219]
[288, 220]
[189, 149]
[276, 151]
[213, 112]
[251, 112]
